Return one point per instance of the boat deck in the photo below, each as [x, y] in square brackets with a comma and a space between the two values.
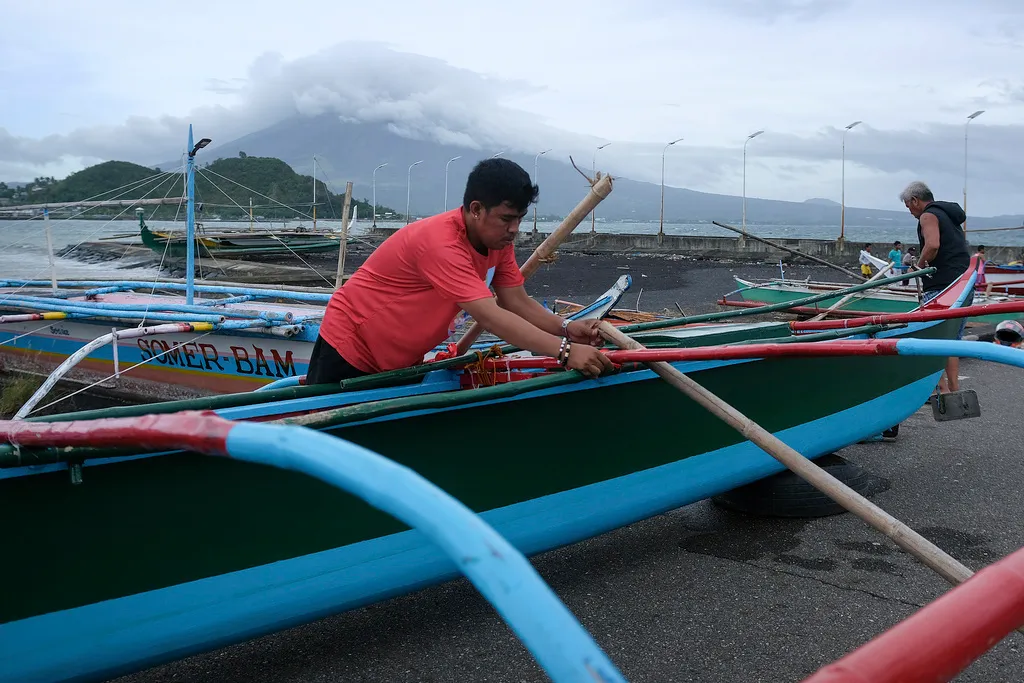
[700, 594]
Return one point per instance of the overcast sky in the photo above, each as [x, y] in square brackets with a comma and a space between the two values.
[83, 82]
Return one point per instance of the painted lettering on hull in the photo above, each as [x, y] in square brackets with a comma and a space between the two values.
[199, 356]
[257, 365]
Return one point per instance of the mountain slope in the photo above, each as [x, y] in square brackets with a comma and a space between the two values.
[224, 187]
[350, 151]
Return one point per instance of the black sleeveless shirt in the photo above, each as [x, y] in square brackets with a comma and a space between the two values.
[953, 257]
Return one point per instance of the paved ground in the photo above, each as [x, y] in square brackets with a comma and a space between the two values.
[701, 594]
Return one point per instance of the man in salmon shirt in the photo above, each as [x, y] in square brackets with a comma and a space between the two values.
[400, 303]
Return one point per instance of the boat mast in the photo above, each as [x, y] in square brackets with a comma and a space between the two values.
[190, 220]
[314, 193]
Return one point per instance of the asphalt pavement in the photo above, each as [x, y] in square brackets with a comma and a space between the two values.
[701, 593]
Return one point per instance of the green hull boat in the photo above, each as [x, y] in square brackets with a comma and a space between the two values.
[890, 300]
[129, 557]
[240, 244]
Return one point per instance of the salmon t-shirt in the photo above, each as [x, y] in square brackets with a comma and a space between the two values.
[402, 301]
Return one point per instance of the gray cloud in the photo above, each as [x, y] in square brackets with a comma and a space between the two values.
[420, 97]
[637, 82]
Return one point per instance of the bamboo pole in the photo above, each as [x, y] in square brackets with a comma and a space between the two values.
[789, 249]
[599, 190]
[339, 279]
[905, 537]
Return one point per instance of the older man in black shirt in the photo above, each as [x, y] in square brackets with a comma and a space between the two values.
[944, 247]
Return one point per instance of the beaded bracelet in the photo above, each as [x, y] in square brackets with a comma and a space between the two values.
[568, 349]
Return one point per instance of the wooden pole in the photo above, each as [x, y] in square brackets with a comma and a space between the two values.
[599, 190]
[338, 280]
[790, 250]
[905, 537]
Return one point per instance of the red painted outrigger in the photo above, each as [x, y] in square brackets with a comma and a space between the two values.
[943, 638]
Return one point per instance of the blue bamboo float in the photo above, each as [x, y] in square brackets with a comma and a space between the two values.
[311, 297]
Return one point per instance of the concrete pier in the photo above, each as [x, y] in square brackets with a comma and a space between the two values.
[737, 248]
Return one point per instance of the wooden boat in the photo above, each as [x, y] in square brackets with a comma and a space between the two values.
[255, 337]
[892, 299]
[241, 244]
[1004, 278]
[172, 553]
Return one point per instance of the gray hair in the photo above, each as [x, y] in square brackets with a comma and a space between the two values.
[917, 190]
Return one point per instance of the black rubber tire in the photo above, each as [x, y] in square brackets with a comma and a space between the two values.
[787, 495]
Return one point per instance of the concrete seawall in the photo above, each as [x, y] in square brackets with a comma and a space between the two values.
[737, 248]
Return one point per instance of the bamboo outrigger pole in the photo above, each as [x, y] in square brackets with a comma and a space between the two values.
[338, 281]
[905, 537]
[599, 189]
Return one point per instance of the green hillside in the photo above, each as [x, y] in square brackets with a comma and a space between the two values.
[223, 188]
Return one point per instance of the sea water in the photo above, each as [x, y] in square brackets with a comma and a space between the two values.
[23, 252]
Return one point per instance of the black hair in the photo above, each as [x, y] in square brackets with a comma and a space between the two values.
[497, 181]
[897, 243]
[981, 247]
[867, 246]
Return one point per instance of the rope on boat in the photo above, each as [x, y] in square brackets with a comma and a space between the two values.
[488, 372]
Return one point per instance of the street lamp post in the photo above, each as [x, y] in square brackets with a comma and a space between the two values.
[408, 189]
[842, 215]
[593, 173]
[969, 119]
[536, 159]
[749, 138]
[375, 192]
[446, 181]
[661, 226]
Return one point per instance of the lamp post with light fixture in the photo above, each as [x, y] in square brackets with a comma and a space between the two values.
[446, 180]
[593, 173]
[408, 189]
[842, 214]
[969, 119]
[536, 159]
[661, 226]
[190, 216]
[374, 182]
[749, 138]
